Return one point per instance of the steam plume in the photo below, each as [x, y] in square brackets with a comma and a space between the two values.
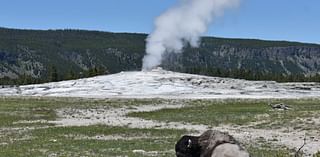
[182, 24]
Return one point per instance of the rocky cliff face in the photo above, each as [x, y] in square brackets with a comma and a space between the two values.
[15, 65]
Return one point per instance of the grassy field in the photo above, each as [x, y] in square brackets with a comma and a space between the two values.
[76, 141]
[239, 112]
[26, 131]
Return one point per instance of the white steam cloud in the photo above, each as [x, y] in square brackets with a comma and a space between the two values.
[182, 24]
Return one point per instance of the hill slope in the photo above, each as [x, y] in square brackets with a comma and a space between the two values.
[67, 54]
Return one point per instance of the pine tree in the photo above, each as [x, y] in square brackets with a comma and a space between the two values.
[53, 74]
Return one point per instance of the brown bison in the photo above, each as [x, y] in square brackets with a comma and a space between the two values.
[210, 144]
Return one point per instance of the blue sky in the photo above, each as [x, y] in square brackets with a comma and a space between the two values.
[294, 20]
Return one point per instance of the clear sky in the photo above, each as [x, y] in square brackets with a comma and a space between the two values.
[294, 20]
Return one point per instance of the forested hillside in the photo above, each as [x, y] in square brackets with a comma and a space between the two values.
[35, 56]
[66, 54]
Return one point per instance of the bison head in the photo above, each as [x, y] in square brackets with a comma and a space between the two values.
[188, 146]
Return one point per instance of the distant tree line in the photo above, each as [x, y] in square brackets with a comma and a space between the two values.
[250, 75]
[53, 76]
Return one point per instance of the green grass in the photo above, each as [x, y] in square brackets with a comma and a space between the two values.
[57, 140]
[269, 152]
[18, 138]
[209, 113]
[43, 139]
[43, 142]
[239, 112]
[263, 148]
[13, 110]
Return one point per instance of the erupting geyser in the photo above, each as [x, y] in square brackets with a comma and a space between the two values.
[184, 23]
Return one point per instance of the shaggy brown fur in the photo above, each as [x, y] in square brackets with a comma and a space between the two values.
[210, 144]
